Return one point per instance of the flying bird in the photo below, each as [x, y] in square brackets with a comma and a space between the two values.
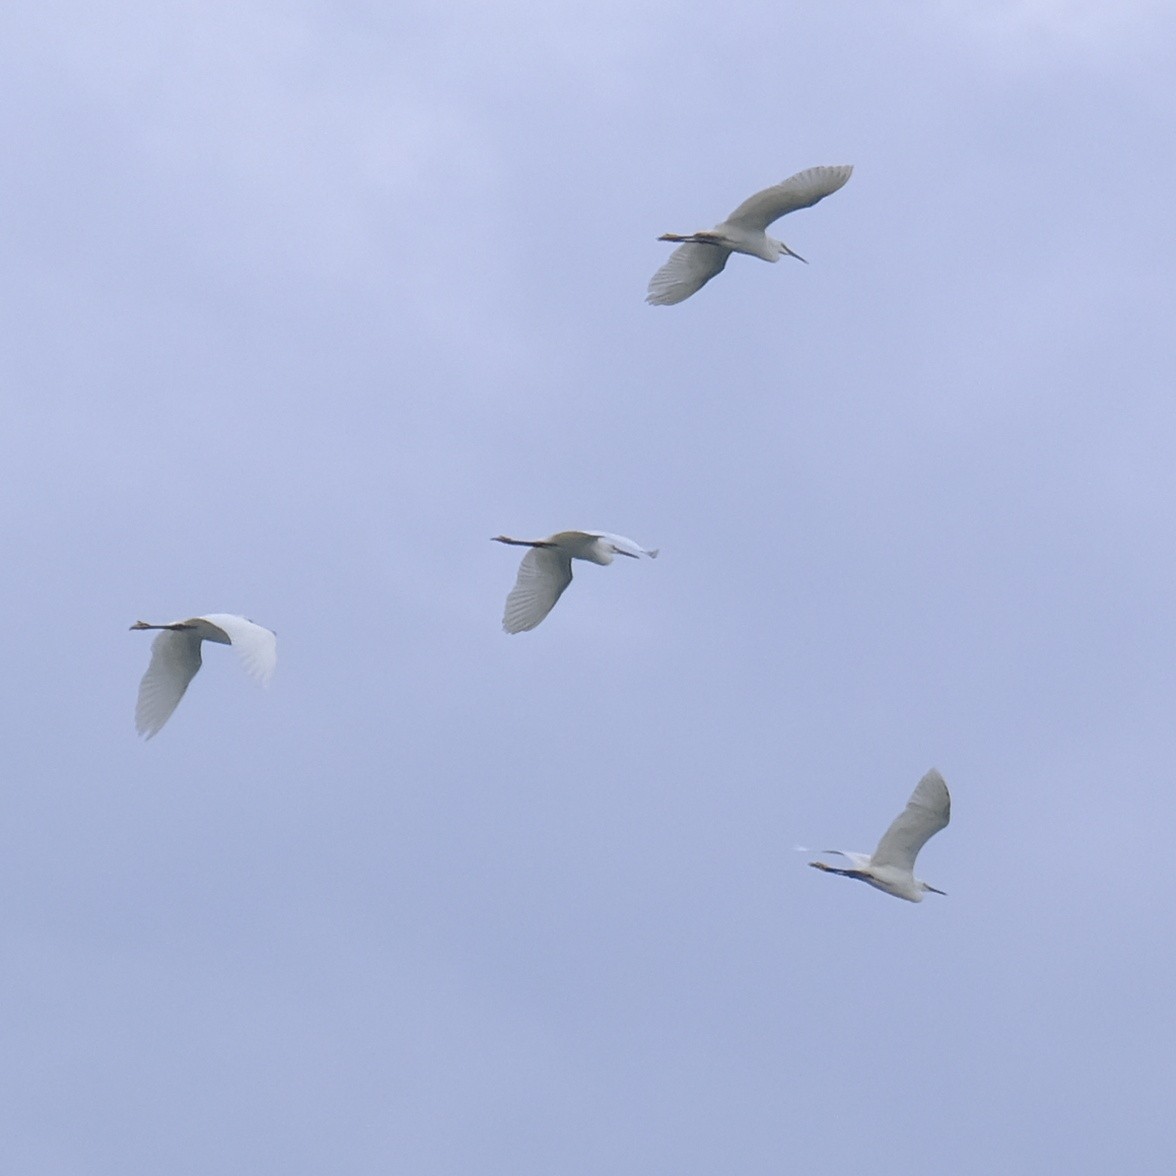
[891, 866]
[702, 255]
[546, 570]
[175, 658]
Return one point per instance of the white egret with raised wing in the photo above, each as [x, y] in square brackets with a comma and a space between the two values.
[175, 658]
[891, 867]
[546, 570]
[702, 255]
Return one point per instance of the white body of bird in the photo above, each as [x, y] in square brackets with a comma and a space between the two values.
[891, 866]
[702, 255]
[546, 570]
[175, 658]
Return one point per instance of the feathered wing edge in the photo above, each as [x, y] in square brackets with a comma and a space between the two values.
[926, 813]
[802, 190]
[175, 659]
[685, 272]
[256, 645]
[544, 573]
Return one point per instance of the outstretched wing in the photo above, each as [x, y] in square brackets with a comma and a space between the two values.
[175, 658]
[688, 269]
[543, 575]
[927, 811]
[256, 646]
[802, 190]
[860, 860]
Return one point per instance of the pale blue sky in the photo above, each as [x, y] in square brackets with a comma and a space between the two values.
[306, 301]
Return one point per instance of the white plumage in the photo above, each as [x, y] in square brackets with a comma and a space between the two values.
[891, 866]
[546, 570]
[702, 255]
[175, 658]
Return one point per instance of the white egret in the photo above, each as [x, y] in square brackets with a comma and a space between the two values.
[891, 866]
[702, 255]
[546, 570]
[175, 658]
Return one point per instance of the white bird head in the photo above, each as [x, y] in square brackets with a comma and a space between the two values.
[784, 251]
[608, 551]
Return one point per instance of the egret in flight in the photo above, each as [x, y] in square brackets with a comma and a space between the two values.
[702, 255]
[175, 658]
[891, 866]
[546, 570]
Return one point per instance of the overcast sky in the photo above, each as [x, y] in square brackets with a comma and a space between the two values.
[303, 302]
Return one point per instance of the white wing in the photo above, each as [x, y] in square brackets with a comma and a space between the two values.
[543, 575]
[175, 658]
[859, 861]
[927, 811]
[688, 269]
[571, 540]
[802, 190]
[257, 646]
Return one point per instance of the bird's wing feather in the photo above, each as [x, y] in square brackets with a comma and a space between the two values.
[859, 860]
[256, 646]
[543, 575]
[687, 270]
[927, 811]
[802, 190]
[175, 658]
